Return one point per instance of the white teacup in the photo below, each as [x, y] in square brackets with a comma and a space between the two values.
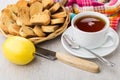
[91, 40]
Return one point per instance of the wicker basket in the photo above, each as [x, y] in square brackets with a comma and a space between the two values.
[37, 39]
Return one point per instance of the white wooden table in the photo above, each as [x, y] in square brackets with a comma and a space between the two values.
[43, 69]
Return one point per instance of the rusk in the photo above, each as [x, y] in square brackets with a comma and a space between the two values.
[57, 21]
[36, 8]
[49, 28]
[55, 7]
[59, 15]
[26, 31]
[47, 3]
[38, 19]
[38, 31]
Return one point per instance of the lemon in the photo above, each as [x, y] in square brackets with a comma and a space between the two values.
[18, 50]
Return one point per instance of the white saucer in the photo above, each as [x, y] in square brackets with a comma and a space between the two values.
[102, 51]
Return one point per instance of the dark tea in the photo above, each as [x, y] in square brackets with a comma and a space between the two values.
[90, 23]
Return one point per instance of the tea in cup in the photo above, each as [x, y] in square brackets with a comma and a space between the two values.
[91, 29]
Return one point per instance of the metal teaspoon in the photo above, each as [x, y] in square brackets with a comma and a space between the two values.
[74, 45]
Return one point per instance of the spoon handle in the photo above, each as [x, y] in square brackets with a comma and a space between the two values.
[105, 61]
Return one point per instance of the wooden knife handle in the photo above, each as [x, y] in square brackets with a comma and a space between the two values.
[78, 62]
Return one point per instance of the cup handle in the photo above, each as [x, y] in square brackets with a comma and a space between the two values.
[111, 36]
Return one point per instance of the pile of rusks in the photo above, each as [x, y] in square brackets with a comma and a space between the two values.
[36, 20]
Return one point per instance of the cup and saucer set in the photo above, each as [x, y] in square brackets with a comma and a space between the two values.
[109, 44]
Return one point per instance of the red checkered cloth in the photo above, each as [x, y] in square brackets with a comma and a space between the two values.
[84, 3]
[111, 9]
[114, 20]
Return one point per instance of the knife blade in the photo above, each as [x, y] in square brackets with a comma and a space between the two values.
[68, 59]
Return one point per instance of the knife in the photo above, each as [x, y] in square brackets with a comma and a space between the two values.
[68, 59]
